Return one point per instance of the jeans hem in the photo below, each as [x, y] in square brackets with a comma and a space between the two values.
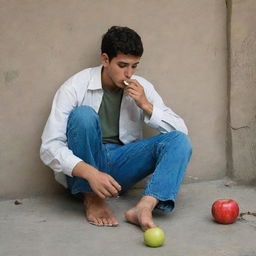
[164, 204]
[75, 191]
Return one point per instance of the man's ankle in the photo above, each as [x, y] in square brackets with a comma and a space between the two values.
[91, 198]
[148, 202]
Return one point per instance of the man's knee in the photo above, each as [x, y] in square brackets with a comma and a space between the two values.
[181, 139]
[84, 116]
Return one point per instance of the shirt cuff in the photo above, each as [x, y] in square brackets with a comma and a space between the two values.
[155, 119]
[69, 164]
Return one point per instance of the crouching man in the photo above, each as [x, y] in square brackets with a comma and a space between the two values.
[93, 137]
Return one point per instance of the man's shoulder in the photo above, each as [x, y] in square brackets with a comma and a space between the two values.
[81, 78]
[83, 74]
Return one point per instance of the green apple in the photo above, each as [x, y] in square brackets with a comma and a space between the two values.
[154, 237]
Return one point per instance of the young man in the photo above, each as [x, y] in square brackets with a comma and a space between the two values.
[93, 137]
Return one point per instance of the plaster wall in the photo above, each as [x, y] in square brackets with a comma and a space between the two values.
[43, 43]
[243, 90]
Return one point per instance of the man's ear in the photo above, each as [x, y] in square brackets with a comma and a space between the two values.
[104, 59]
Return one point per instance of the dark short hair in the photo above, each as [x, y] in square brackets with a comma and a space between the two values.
[121, 40]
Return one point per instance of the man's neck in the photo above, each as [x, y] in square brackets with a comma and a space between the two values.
[107, 83]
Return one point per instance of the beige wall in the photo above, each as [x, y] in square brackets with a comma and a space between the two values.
[44, 42]
[243, 90]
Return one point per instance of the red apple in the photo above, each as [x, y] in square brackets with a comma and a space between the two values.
[225, 211]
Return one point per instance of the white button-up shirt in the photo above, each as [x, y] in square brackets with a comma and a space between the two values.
[85, 88]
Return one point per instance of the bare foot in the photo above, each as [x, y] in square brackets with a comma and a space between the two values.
[141, 214]
[97, 212]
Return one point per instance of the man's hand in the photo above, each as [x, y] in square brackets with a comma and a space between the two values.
[101, 183]
[136, 91]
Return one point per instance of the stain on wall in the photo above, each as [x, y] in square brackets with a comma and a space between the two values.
[11, 76]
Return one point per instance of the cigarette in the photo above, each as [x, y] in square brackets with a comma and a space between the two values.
[126, 83]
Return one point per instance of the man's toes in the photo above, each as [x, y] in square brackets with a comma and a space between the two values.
[113, 222]
[147, 225]
[144, 227]
[104, 221]
[100, 222]
[93, 220]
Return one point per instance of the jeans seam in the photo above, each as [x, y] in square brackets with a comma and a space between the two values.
[134, 153]
[107, 157]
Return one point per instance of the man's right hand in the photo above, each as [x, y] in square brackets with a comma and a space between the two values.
[101, 183]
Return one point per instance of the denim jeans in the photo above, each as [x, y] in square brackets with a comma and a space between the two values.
[165, 156]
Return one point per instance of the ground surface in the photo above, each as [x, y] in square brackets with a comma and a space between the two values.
[53, 226]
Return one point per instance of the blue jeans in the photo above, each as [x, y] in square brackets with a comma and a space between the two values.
[165, 156]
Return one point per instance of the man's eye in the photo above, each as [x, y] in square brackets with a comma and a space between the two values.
[121, 65]
[135, 66]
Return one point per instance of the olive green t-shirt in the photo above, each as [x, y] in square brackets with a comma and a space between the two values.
[109, 115]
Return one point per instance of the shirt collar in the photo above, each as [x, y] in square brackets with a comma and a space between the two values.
[95, 82]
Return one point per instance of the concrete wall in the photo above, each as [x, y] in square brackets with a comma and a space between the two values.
[44, 42]
[243, 90]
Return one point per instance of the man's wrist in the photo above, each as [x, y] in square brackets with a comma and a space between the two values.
[148, 108]
[83, 170]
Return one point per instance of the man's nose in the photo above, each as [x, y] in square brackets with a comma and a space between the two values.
[128, 72]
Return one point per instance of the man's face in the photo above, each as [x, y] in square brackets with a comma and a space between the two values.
[119, 69]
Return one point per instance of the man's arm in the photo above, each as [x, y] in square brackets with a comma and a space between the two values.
[101, 183]
[55, 153]
[158, 115]
[136, 91]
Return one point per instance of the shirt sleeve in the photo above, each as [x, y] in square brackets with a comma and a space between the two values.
[54, 151]
[163, 118]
